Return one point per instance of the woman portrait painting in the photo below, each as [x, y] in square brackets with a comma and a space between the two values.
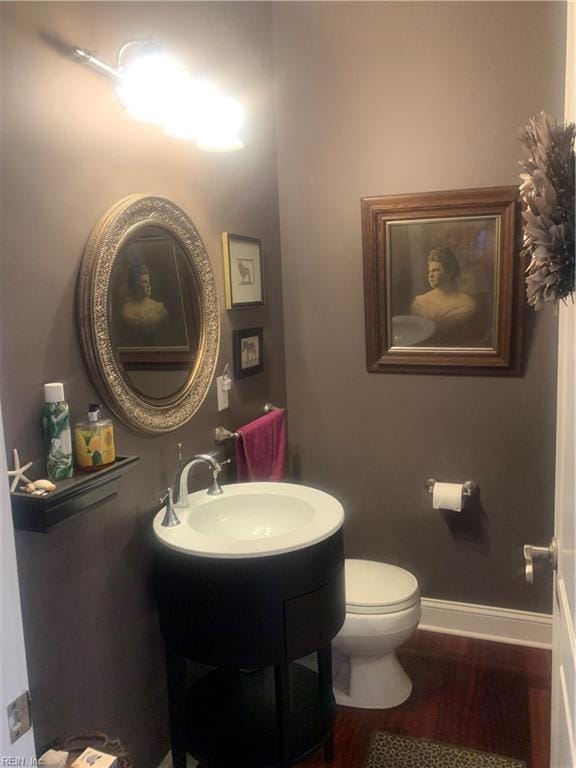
[140, 312]
[148, 307]
[450, 309]
[443, 271]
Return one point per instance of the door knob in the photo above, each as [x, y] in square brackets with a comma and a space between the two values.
[532, 553]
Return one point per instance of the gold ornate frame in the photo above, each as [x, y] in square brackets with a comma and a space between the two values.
[93, 310]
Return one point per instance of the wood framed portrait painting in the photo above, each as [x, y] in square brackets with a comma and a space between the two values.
[443, 282]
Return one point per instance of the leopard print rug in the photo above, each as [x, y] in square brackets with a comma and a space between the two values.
[387, 750]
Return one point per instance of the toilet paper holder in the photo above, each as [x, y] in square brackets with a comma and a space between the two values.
[469, 488]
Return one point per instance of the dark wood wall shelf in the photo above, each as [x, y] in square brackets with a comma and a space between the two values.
[42, 513]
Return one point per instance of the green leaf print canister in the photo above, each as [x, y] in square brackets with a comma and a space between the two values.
[56, 426]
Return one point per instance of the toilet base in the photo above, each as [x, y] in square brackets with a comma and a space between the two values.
[370, 682]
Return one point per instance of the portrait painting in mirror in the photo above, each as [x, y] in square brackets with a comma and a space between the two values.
[155, 313]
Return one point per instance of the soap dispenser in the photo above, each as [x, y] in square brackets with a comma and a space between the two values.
[94, 441]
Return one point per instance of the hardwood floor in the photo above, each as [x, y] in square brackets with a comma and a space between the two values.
[472, 693]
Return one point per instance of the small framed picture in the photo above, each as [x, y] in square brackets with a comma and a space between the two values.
[248, 352]
[243, 271]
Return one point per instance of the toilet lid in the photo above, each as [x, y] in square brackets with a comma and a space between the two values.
[373, 587]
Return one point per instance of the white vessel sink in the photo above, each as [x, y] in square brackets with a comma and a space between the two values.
[252, 520]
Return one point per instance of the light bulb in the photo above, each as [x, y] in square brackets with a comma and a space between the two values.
[155, 88]
[187, 119]
[220, 124]
[152, 88]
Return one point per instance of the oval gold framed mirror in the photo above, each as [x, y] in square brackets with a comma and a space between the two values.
[148, 313]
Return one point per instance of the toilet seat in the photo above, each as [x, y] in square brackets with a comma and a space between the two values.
[378, 588]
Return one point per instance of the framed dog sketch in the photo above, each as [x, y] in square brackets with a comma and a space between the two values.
[443, 282]
[242, 271]
[248, 349]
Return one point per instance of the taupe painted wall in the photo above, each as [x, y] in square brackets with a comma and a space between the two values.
[386, 98]
[94, 652]
[372, 99]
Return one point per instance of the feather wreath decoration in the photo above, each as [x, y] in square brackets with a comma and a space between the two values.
[547, 194]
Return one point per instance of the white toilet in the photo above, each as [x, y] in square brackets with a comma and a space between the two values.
[382, 611]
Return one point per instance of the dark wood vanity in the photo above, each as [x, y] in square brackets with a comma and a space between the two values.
[251, 619]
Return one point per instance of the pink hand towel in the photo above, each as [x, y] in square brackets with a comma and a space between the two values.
[261, 448]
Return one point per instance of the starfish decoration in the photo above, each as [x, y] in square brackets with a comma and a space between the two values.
[18, 472]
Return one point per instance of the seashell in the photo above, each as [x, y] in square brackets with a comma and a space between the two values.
[44, 485]
[30, 488]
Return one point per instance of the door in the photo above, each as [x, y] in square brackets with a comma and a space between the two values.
[13, 674]
[561, 550]
[563, 752]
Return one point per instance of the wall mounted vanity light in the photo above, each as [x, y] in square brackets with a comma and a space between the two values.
[155, 88]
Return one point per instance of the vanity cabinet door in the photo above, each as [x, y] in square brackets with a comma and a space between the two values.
[221, 613]
[313, 619]
[252, 612]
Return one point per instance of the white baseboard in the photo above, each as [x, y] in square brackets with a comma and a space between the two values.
[486, 622]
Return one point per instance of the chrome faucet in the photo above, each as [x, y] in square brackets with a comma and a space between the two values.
[181, 483]
[170, 518]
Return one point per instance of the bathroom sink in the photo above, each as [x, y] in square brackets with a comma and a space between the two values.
[252, 520]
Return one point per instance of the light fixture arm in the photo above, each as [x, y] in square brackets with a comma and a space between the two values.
[83, 54]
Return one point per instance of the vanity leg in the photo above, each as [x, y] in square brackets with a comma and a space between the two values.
[324, 656]
[282, 683]
[176, 678]
[329, 748]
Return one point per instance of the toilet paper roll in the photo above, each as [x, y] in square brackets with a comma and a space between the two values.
[447, 496]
